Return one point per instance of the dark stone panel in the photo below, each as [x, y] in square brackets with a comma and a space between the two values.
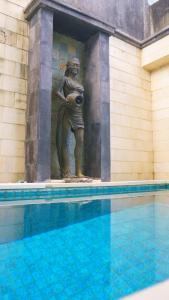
[97, 111]
[92, 155]
[147, 21]
[127, 15]
[39, 97]
[92, 109]
[33, 82]
[159, 13]
[105, 107]
[73, 27]
[44, 115]
[45, 78]
[105, 143]
[43, 160]
[33, 103]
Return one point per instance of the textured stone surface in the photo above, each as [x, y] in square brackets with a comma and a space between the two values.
[130, 114]
[160, 110]
[159, 14]
[39, 97]
[156, 55]
[127, 15]
[97, 117]
[13, 89]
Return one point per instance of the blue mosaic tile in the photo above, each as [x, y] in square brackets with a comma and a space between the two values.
[105, 256]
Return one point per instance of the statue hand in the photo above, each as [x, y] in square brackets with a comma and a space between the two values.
[61, 96]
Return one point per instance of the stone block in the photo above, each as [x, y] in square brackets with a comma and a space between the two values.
[126, 67]
[20, 101]
[22, 42]
[161, 114]
[117, 43]
[12, 132]
[161, 167]
[131, 111]
[12, 148]
[16, 55]
[2, 50]
[12, 164]
[15, 85]
[17, 26]
[130, 144]
[124, 56]
[131, 176]
[128, 99]
[156, 54]
[11, 177]
[13, 116]
[13, 69]
[7, 98]
[22, 3]
[11, 9]
[130, 89]
[132, 79]
[131, 156]
[161, 156]
[2, 20]
[132, 167]
[132, 122]
[130, 133]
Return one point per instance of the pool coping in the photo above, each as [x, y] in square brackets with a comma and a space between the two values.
[59, 189]
[62, 184]
[156, 292]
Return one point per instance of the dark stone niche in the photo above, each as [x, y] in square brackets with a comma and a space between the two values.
[44, 17]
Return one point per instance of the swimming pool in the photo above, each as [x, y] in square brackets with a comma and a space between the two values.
[83, 250]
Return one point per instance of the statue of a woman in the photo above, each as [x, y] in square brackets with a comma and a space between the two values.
[70, 115]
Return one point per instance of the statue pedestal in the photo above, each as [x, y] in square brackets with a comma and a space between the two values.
[78, 180]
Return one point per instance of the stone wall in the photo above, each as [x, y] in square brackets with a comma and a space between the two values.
[13, 87]
[127, 16]
[131, 116]
[135, 114]
[159, 16]
[160, 100]
[155, 58]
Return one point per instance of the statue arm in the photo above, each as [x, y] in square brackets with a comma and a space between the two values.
[59, 92]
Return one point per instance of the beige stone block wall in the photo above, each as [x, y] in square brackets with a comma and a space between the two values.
[139, 102]
[130, 114]
[160, 107]
[13, 88]
[156, 54]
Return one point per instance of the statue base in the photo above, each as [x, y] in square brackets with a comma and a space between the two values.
[78, 179]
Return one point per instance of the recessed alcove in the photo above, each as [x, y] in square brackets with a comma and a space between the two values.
[50, 20]
[64, 49]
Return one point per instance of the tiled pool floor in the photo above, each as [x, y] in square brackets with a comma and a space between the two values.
[101, 251]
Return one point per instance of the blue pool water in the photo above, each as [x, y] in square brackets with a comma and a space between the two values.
[86, 250]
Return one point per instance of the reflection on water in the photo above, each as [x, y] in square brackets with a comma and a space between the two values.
[17, 222]
[102, 249]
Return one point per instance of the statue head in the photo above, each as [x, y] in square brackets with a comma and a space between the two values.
[72, 67]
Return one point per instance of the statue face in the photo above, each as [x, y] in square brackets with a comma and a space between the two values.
[75, 68]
